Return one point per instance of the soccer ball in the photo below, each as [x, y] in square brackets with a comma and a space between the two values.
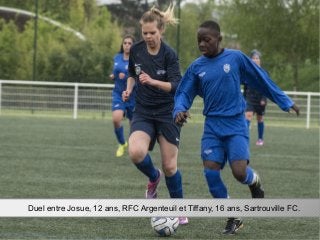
[165, 226]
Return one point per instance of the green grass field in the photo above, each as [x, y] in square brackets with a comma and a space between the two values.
[65, 158]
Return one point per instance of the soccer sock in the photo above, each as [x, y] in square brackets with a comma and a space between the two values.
[251, 176]
[148, 169]
[119, 134]
[215, 183]
[174, 185]
[260, 129]
[248, 123]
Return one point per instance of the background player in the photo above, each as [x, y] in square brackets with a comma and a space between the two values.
[119, 107]
[256, 102]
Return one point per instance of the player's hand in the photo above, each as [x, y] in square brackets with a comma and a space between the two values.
[122, 75]
[125, 95]
[296, 109]
[145, 79]
[181, 118]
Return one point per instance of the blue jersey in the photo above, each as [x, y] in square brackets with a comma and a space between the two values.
[120, 65]
[218, 81]
[163, 66]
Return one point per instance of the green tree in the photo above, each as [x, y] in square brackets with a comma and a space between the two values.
[287, 30]
[61, 55]
[190, 18]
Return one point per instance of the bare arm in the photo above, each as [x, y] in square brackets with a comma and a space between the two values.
[130, 84]
[145, 79]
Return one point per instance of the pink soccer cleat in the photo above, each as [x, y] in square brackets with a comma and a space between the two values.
[259, 142]
[183, 220]
[152, 187]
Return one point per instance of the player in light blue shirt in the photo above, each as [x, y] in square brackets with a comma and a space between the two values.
[217, 76]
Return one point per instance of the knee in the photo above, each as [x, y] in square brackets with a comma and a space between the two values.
[239, 174]
[169, 170]
[136, 153]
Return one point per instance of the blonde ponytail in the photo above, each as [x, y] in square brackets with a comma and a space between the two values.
[162, 18]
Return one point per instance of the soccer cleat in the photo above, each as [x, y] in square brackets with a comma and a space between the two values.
[183, 220]
[152, 187]
[121, 149]
[233, 225]
[256, 188]
[260, 142]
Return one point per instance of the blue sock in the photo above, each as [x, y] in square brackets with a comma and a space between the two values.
[120, 135]
[174, 185]
[215, 183]
[260, 129]
[147, 168]
[248, 123]
[249, 177]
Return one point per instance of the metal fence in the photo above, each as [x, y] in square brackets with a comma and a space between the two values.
[80, 100]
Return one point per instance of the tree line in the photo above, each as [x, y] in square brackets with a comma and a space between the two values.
[285, 31]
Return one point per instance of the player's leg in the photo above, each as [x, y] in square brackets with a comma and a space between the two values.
[168, 138]
[117, 117]
[142, 135]
[213, 156]
[249, 114]
[219, 190]
[238, 156]
[169, 156]
[260, 125]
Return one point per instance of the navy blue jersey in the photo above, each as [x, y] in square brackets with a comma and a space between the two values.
[120, 65]
[252, 96]
[217, 80]
[164, 67]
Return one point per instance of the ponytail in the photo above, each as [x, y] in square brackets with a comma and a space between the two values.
[162, 18]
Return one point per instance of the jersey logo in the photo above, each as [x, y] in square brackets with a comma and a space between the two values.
[161, 72]
[137, 69]
[207, 151]
[202, 74]
[226, 68]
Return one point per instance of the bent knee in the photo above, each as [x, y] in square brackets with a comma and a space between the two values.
[240, 175]
[169, 170]
[136, 153]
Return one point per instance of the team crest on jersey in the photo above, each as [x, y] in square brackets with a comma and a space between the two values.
[202, 74]
[137, 69]
[226, 68]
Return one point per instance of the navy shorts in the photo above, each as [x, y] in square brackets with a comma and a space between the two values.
[225, 139]
[258, 109]
[119, 104]
[155, 125]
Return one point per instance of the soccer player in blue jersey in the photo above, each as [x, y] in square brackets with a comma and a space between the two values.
[154, 70]
[256, 102]
[121, 108]
[217, 76]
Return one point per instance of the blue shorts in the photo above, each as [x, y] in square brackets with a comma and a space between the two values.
[155, 125]
[225, 139]
[119, 104]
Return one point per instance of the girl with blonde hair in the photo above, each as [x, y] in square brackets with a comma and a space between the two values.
[154, 70]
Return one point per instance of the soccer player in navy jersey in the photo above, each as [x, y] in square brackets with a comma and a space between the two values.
[121, 108]
[216, 76]
[154, 71]
[256, 102]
